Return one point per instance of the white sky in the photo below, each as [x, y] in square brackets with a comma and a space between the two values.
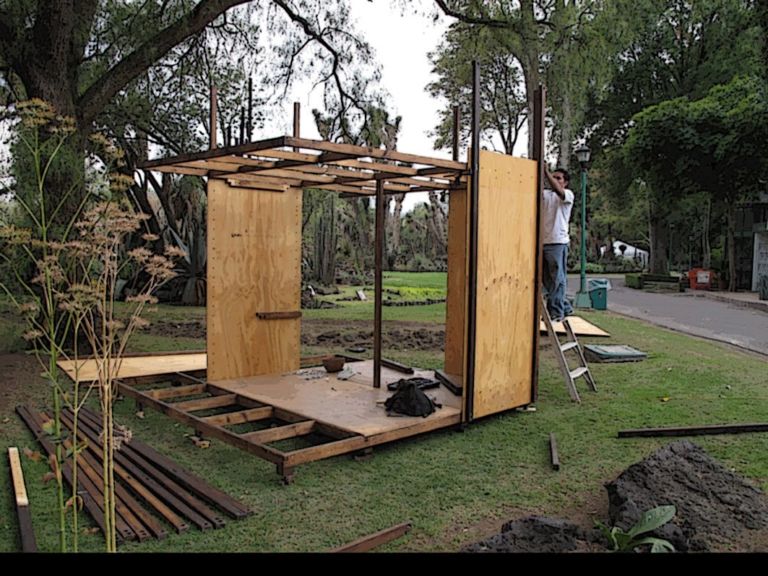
[400, 45]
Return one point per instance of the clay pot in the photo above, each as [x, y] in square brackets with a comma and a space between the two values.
[333, 363]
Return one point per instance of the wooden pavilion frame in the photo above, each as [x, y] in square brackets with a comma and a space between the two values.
[253, 308]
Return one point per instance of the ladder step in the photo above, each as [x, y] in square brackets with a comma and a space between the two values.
[569, 346]
[579, 372]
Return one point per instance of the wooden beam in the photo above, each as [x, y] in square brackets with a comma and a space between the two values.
[213, 103]
[363, 151]
[694, 430]
[178, 170]
[539, 133]
[240, 417]
[372, 541]
[296, 121]
[256, 185]
[266, 452]
[396, 366]
[278, 315]
[205, 403]
[28, 542]
[228, 151]
[378, 280]
[456, 132]
[176, 391]
[280, 432]
[554, 457]
[469, 369]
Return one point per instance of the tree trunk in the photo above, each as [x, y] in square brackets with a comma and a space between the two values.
[706, 248]
[566, 133]
[731, 242]
[659, 241]
[325, 243]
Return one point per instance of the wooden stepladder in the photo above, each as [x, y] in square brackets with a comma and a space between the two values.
[560, 348]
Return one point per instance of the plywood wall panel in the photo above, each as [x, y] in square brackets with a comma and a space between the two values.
[506, 276]
[254, 254]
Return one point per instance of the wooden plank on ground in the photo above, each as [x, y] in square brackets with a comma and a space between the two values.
[694, 430]
[92, 501]
[27, 533]
[580, 326]
[371, 541]
[554, 456]
[130, 476]
[193, 483]
[134, 366]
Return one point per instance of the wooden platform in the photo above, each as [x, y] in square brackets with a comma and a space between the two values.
[330, 416]
[353, 405]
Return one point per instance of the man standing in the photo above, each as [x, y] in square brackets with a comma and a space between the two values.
[556, 205]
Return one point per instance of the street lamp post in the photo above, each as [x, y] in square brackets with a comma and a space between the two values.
[582, 296]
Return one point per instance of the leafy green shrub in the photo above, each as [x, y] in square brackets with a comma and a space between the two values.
[633, 281]
[626, 541]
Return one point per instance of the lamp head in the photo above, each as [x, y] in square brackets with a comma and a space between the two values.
[582, 154]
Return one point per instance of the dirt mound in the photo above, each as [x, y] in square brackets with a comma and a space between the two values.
[537, 534]
[332, 333]
[395, 336]
[713, 504]
[176, 329]
[715, 508]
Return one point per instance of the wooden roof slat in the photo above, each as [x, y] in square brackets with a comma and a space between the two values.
[184, 170]
[259, 185]
[362, 151]
[271, 164]
[216, 152]
[292, 175]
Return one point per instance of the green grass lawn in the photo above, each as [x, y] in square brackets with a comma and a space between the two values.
[448, 483]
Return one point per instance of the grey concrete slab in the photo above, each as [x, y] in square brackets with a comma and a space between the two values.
[704, 317]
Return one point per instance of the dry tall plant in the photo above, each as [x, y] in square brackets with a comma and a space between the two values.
[71, 294]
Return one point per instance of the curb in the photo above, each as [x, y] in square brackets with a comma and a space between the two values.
[761, 305]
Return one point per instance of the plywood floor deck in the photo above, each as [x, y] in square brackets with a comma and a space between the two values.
[352, 405]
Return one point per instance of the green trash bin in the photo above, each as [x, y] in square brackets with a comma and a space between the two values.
[598, 296]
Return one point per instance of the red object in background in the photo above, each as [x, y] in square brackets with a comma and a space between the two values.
[701, 279]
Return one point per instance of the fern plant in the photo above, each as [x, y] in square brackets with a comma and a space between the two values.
[626, 541]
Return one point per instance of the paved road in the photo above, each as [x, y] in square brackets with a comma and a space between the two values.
[743, 327]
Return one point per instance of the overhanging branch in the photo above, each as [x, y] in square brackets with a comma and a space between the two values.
[102, 90]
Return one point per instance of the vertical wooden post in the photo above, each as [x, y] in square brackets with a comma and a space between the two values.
[296, 120]
[538, 155]
[469, 373]
[379, 259]
[242, 125]
[456, 132]
[250, 109]
[213, 105]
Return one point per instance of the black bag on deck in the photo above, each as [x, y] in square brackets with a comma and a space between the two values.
[410, 400]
